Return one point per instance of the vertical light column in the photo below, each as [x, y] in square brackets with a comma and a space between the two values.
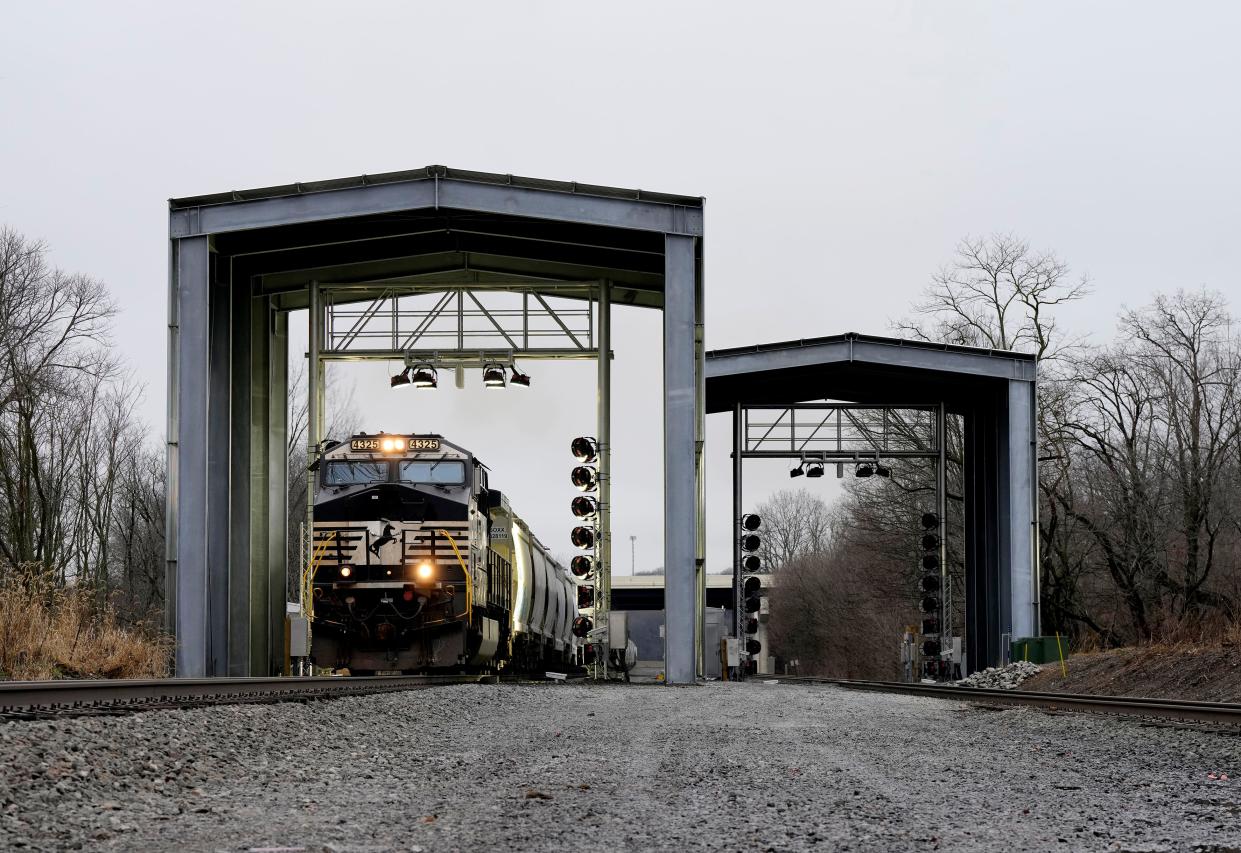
[680, 481]
[187, 457]
[314, 399]
[603, 552]
[738, 447]
[1022, 500]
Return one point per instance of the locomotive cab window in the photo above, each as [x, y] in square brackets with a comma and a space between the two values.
[447, 472]
[354, 473]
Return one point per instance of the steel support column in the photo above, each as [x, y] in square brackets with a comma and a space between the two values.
[277, 485]
[680, 458]
[240, 563]
[189, 327]
[1021, 486]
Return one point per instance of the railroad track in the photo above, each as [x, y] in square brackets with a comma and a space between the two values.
[69, 698]
[1177, 709]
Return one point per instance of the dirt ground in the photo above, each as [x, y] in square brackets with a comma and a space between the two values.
[1169, 672]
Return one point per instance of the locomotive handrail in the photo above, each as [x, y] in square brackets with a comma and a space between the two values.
[308, 577]
[469, 582]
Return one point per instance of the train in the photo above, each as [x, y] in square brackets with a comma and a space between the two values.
[419, 565]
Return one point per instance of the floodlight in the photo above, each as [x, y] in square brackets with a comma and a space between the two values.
[750, 542]
[583, 537]
[864, 470]
[798, 471]
[751, 563]
[930, 583]
[814, 469]
[493, 376]
[582, 626]
[519, 379]
[425, 376]
[401, 380]
[930, 520]
[882, 470]
[584, 448]
[751, 522]
[585, 478]
[584, 507]
[581, 566]
[929, 541]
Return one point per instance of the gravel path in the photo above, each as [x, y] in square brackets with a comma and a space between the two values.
[566, 767]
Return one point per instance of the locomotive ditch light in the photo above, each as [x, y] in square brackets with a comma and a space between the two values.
[425, 570]
[930, 562]
[584, 449]
[581, 566]
[751, 626]
[750, 542]
[584, 507]
[519, 379]
[751, 522]
[930, 520]
[930, 583]
[864, 470]
[930, 604]
[583, 537]
[582, 626]
[753, 646]
[346, 571]
[751, 585]
[798, 471]
[401, 380]
[585, 478]
[424, 376]
[493, 376]
[814, 469]
[930, 648]
[751, 563]
[929, 541]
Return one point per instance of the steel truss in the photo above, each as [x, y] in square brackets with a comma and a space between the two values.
[840, 433]
[473, 324]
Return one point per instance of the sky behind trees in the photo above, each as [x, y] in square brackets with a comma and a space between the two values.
[843, 149]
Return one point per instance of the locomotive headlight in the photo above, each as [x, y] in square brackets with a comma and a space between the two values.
[424, 571]
[346, 571]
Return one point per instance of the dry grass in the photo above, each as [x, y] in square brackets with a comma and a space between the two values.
[46, 632]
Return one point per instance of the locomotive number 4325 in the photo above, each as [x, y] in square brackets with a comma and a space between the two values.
[389, 443]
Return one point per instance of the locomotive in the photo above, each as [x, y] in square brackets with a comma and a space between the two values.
[419, 565]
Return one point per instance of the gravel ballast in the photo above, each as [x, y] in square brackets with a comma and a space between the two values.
[619, 767]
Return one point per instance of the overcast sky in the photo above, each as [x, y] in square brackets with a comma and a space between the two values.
[843, 149]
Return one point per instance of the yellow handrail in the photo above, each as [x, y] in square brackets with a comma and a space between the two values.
[465, 570]
[308, 576]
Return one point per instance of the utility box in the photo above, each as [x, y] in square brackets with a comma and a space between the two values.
[1038, 649]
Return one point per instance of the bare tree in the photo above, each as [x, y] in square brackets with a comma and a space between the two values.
[795, 524]
[998, 293]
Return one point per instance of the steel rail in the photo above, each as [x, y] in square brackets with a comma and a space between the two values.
[1179, 709]
[69, 697]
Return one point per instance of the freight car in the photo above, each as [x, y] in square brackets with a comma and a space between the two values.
[420, 565]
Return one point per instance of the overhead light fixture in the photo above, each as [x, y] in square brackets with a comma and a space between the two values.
[493, 376]
[401, 380]
[864, 470]
[424, 376]
[584, 449]
[882, 470]
[518, 378]
[585, 478]
[798, 471]
[814, 469]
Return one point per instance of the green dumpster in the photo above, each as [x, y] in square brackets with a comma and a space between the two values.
[1038, 649]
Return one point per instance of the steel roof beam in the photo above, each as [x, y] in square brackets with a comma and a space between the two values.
[436, 193]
